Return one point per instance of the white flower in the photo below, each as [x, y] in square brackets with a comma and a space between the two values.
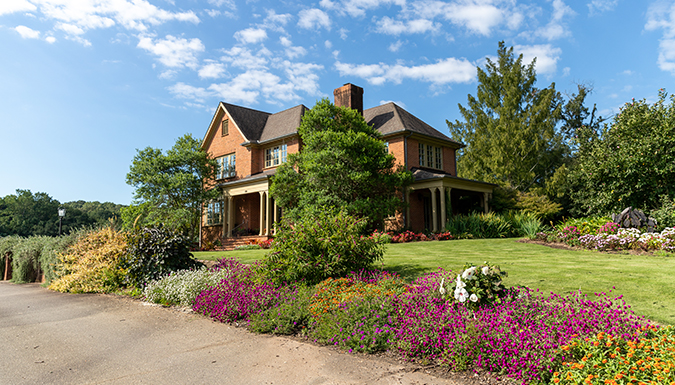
[485, 270]
[461, 294]
[473, 298]
[442, 289]
[460, 284]
[469, 273]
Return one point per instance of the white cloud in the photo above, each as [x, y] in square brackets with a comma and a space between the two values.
[50, 39]
[211, 70]
[75, 17]
[396, 27]
[444, 71]
[186, 91]
[227, 3]
[567, 71]
[661, 15]
[251, 35]
[599, 6]
[343, 33]
[394, 47]
[357, 8]
[313, 19]
[397, 102]
[328, 44]
[172, 51]
[628, 72]
[546, 55]
[557, 27]
[27, 33]
[242, 57]
[291, 51]
[276, 22]
[478, 16]
[286, 42]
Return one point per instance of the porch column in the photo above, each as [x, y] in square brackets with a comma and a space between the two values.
[276, 216]
[434, 211]
[407, 209]
[449, 203]
[443, 216]
[268, 215]
[230, 209]
[262, 213]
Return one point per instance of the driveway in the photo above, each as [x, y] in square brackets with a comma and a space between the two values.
[54, 338]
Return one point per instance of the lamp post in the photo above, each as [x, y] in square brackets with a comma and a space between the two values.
[62, 213]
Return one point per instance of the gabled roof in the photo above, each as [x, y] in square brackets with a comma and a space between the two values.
[283, 123]
[250, 122]
[390, 118]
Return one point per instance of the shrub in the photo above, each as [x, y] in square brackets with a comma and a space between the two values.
[524, 224]
[328, 244]
[248, 247]
[92, 263]
[588, 225]
[665, 214]
[182, 287]
[26, 258]
[7, 245]
[154, 253]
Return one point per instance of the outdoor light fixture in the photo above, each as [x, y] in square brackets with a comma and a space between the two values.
[62, 213]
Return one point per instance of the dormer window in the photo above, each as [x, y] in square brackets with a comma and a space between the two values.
[275, 156]
[226, 166]
[431, 156]
[224, 129]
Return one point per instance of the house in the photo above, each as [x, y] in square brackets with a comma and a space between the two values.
[249, 144]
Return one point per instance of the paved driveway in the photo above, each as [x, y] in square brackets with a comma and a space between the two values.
[54, 338]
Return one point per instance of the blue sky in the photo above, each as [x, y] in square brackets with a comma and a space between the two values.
[85, 83]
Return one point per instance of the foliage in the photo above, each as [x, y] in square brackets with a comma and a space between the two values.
[92, 263]
[646, 358]
[540, 205]
[289, 316]
[631, 163]
[510, 126]
[492, 225]
[587, 225]
[26, 259]
[248, 247]
[170, 187]
[27, 214]
[182, 287]
[344, 164]
[665, 213]
[7, 245]
[315, 247]
[356, 312]
[477, 286]
[156, 252]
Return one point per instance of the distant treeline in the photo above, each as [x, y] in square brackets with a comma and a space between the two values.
[26, 214]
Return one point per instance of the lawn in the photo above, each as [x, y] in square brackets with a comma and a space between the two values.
[645, 281]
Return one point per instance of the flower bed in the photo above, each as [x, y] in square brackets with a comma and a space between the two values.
[514, 332]
[610, 237]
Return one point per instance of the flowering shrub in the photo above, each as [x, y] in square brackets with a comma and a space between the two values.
[290, 315]
[626, 239]
[569, 235]
[381, 237]
[609, 228]
[182, 287]
[646, 358]
[406, 236]
[477, 286]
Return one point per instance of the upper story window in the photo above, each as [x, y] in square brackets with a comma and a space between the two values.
[226, 166]
[275, 156]
[225, 128]
[386, 146]
[214, 213]
[431, 156]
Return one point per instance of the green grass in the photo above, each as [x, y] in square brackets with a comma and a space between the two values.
[244, 256]
[646, 281]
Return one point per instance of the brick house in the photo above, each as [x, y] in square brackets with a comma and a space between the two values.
[249, 144]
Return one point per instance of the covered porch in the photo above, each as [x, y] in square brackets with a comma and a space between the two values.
[434, 197]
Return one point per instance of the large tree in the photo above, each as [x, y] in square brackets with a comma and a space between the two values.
[170, 187]
[510, 126]
[27, 214]
[343, 163]
[631, 162]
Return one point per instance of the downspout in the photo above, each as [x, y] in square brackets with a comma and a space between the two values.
[405, 164]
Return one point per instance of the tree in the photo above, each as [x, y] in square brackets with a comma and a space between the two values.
[343, 163]
[171, 187]
[510, 126]
[631, 163]
[27, 214]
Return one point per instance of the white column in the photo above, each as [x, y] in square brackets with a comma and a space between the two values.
[443, 217]
[434, 211]
[276, 216]
[230, 209]
[268, 215]
[262, 213]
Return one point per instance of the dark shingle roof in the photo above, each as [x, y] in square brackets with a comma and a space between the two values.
[389, 118]
[251, 122]
[283, 123]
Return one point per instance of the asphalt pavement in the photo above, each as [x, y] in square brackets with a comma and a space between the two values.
[48, 337]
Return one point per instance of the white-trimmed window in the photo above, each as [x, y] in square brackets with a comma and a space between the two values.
[275, 156]
[226, 166]
[225, 128]
[214, 213]
[431, 156]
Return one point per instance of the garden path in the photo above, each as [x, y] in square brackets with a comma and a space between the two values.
[55, 338]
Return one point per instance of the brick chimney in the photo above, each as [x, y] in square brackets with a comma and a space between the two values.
[350, 96]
